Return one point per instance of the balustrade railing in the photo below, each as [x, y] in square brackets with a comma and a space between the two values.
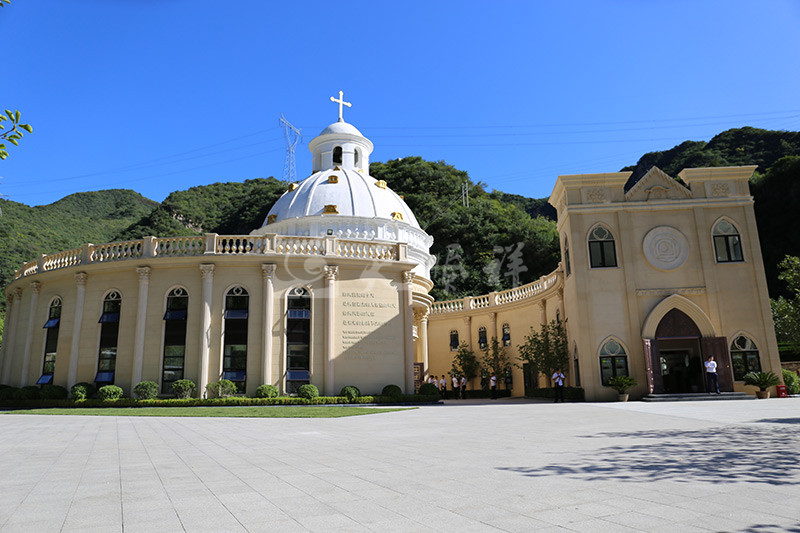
[522, 292]
[213, 244]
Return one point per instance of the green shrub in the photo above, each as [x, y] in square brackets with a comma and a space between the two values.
[762, 380]
[109, 393]
[221, 389]
[570, 393]
[31, 392]
[621, 384]
[4, 386]
[267, 391]
[792, 382]
[428, 389]
[82, 391]
[308, 391]
[183, 388]
[54, 392]
[350, 392]
[7, 393]
[391, 391]
[146, 390]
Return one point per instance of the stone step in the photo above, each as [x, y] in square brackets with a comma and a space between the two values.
[697, 397]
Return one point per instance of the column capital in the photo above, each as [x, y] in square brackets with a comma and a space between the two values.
[541, 305]
[18, 292]
[268, 270]
[492, 316]
[408, 277]
[207, 270]
[81, 278]
[331, 272]
[36, 287]
[467, 320]
[421, 315]
[144, 273]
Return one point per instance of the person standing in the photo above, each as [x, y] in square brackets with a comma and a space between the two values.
[443, 386]
[455, 386]
[712, 380]
[463, 387]
[558, 381]
[493, 386]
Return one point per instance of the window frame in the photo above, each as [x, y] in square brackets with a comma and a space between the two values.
[743, 353]
[109, 326]
[730, 241]
[293, 382]
[53, 327]
[233, 327]
[483, 339]
[506, 336]
[454, 346]
[620, 355]
[602, 248]
[170, 319]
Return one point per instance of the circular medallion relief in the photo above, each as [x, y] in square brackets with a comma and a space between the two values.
[665, 248]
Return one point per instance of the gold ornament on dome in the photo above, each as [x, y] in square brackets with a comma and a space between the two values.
[271, 218]
[292, 186]
[333, 178]
[330, 209]
[380, 184]
[397, 216]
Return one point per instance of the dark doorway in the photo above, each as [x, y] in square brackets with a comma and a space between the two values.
[681, 366]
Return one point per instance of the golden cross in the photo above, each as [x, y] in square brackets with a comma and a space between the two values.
[341, 102]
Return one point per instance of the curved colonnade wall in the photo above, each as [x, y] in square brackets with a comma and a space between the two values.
[352, 326]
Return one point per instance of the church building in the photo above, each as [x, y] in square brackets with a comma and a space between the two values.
[333, 290]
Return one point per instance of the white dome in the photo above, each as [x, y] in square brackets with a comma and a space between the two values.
[341, 127]
[351, 194]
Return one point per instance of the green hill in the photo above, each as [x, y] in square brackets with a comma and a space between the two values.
[27, 232]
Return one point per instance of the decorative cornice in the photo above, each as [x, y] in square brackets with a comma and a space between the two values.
[268, 270]
[331, 272]
[207, 271]
[144, 273]
[670, 292]
[36, 287]
[81, 278]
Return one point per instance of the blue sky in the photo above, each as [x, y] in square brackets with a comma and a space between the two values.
[162, 95]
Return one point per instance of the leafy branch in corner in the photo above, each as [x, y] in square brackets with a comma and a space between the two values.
[15, 133]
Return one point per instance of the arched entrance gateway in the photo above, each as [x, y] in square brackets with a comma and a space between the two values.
[675, 351]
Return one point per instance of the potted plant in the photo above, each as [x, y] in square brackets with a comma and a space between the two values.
[621, 384]
[762, 380]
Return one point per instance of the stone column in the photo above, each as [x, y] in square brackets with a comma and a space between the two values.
[80, 294]
[207, 273]
[10, 333]
[422, 314]
[408, 359]
[141, 318]
[543, 312]
[331, 273]
[493, 328]
[268, 272]
[468, 325]
[36, 289]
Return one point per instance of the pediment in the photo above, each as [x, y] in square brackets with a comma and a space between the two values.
[657, 185]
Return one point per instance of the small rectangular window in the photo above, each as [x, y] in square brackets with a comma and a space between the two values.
[179, 314]
[46, 379]
[107, 318]
[300, 313]
[613, 366]
[236, 314]
[104, 377]
[53, 322]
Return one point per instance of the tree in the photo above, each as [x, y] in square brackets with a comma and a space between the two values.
[465, 363]
[495, 358]
[545, 350]
[786, 311]
[14, 134]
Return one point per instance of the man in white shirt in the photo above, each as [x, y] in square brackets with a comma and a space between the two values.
[463, 387]
[711, 375]
[558, 382]
[455, 387]
[493, 386]
[443, 386]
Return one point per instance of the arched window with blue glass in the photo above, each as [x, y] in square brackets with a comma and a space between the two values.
[51, 342]
[298, 339]
[234, 355]
[483, 343]
[109, 337]
[453, 340]
[175, 315]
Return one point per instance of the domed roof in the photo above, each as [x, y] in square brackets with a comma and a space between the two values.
[341, 127]
[346, 193]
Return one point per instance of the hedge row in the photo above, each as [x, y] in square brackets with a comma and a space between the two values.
[229, 401]
[570, 393]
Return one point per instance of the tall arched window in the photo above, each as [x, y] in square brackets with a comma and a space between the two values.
[234, 355]
[744, 357]
[298, 339]
[356, 157]
[613, 361]
[567, 265]
[453, 340]
[482, 342]
[602, 252]
[174, 338]
[109, 335]
[727, 243]
[506, 334]
[51, 342]
[337, 155]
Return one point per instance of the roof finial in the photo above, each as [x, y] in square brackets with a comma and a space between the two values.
[341, 102]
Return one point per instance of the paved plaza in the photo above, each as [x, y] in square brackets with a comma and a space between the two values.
[509, 465]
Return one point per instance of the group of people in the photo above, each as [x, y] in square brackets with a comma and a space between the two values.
[459, 385]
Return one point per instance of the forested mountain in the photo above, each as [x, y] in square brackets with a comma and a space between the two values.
[500, 240]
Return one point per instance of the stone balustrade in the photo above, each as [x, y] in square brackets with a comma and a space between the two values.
[523, 292]
[213, 244]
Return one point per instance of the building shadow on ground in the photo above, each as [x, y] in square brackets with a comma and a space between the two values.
[726, 454]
